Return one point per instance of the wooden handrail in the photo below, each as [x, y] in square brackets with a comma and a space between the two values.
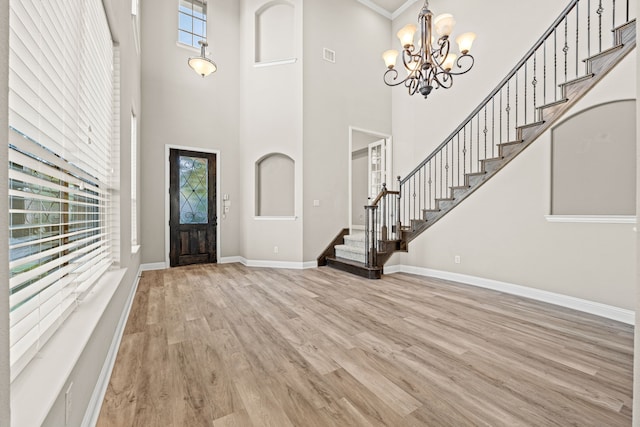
[382, 193]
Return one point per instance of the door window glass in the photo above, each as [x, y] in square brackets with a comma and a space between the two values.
[194, 190]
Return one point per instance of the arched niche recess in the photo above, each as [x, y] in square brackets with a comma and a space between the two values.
[594, 161]
[275, 185]
[274, 31]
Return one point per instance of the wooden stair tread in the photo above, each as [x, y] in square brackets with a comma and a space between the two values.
[604, 52]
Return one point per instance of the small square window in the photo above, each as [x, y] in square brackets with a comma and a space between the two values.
[192, 22]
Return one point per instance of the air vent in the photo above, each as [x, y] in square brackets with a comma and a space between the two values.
[329, 55]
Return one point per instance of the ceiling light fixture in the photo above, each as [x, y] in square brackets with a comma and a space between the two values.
[201, 64]
[432, 65]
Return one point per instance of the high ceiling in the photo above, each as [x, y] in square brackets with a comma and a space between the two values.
[388, 8]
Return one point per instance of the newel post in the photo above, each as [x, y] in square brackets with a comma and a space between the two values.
[398, 219]
[371, 254]
[383, 227]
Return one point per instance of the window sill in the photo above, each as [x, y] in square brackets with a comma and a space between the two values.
[275, 62]
[188, 47]
[275, 218]
[44, 378]
[592, 219]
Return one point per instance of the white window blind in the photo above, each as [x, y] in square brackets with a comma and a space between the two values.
[60, 102]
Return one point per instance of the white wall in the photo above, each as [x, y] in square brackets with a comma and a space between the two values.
[500, 232]
[270, 122]
[247, 112]
[181, 108]
[4, 214]
[336, 96]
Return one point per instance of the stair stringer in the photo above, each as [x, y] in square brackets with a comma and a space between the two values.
[597, 67]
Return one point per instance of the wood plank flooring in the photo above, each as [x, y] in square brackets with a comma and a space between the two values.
[227, 345]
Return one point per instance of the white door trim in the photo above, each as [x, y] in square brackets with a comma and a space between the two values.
[167, 237]
[390, 185]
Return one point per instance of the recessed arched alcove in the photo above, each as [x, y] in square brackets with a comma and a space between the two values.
[274, 31]
[275, 185]
[594, 161]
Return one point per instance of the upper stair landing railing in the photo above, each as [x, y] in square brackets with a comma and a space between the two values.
[581, 31]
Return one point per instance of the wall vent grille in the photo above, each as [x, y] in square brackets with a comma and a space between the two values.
[329, 55]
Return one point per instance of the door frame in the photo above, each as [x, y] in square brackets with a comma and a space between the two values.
[167, 213]
[389, 144]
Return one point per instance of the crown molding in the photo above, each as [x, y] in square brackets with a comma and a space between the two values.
[399, 11]
[382, 11]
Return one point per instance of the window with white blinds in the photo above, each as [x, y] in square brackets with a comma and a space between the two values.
[60, 103]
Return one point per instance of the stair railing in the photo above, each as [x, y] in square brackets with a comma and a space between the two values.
[381, 223]
[535, 81]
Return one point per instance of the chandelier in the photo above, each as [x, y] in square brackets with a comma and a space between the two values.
[201, 64]
[431, 65]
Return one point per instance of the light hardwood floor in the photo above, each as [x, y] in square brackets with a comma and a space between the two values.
[227, 345]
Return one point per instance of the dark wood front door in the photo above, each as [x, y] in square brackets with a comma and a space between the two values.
[192, 192]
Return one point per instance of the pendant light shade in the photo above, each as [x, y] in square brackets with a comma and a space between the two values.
[201, 64]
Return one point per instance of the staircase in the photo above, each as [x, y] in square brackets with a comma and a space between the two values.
[539, 90]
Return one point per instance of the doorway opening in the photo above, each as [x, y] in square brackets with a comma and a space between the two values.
[370, 165]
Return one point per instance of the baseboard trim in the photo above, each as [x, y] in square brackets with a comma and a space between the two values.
[269, 264]
[591, 307]
[230, 260]
[153, 266]
[95, 403]
[246, 262]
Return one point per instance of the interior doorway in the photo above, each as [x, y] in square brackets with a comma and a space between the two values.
[192, 207]
[370, 165]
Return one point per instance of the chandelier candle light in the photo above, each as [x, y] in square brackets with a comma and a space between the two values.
[201, 64]
[431, 65]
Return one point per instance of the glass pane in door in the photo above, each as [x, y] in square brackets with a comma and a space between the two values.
[377, 167]
[194, 190]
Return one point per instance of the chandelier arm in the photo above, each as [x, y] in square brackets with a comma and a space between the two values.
[412, 84]
[390, 76]
[440, 53]
[443, 80]
[408, 58]
[443, 47]
[459, 64]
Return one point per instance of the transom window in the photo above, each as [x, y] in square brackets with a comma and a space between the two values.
[192, 22]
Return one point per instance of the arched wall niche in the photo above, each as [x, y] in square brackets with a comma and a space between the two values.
[275, 185]
[593, 165]
[274, 31]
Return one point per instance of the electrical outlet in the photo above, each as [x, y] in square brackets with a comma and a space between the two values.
[456, 259]
[67, 404]
[275, 249]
